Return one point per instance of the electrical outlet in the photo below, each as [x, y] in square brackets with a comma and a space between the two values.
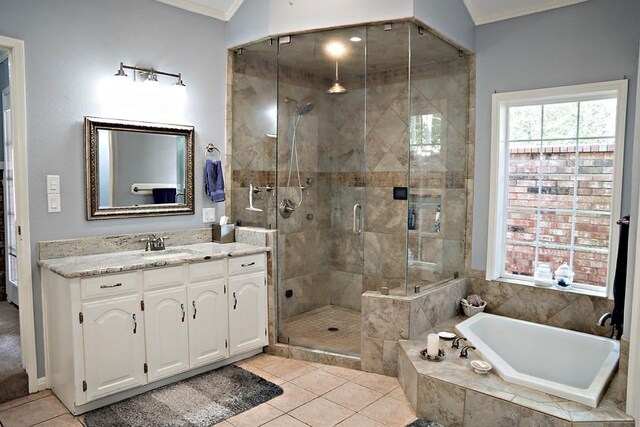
[208, 215]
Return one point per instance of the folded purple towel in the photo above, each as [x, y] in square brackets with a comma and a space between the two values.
[214, 181]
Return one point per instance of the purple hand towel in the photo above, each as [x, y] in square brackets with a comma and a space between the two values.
[214, 181]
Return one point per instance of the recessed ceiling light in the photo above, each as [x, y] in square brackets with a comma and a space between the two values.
[355, 39]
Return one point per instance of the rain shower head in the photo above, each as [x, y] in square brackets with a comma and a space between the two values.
[306, 108]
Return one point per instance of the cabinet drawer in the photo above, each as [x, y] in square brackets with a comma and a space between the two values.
[199, 272]
[108, 285]
[164, 277]
[246, 264]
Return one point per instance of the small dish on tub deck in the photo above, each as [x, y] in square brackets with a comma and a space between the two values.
[480, 367]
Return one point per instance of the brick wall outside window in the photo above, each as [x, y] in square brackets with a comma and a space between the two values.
[595, 191]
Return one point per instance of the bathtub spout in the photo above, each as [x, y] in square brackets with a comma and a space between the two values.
[464, 353]
[603, 320]
[456, 342]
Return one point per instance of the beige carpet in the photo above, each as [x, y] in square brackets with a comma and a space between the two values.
[13, 379]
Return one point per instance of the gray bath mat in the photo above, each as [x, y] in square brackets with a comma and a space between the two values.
[423, 422]
[202, 400]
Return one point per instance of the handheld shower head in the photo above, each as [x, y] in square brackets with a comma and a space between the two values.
[300, 110]
[306, 108]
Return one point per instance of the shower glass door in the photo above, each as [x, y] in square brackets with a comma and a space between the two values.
[321, 188]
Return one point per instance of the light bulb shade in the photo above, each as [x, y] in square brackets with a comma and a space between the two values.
[152, 78]
[336, 89]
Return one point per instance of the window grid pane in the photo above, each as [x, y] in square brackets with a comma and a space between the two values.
[560, 188]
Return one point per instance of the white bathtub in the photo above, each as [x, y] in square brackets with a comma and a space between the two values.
[568, 364]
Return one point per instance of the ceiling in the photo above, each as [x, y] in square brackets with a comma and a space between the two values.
[481, 11]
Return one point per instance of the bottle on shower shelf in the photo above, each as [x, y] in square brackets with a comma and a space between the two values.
[412, 219]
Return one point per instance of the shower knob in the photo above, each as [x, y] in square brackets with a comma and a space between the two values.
[310, 216]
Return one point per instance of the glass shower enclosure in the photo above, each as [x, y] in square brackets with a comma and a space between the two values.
[355, 142]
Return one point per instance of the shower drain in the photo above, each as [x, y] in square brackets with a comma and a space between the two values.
[333, 329]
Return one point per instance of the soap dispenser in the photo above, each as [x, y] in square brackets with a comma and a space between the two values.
[564, 276]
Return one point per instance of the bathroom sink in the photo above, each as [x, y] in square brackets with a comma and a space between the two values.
[169, 253]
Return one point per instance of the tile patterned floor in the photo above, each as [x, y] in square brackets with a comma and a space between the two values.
[311, 329]
[314, 395]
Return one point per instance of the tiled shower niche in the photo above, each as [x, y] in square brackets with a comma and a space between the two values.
[403, 122]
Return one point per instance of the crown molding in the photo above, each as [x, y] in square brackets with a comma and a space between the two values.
[539, 6]
[472, 11]
[233, 9]
[192, 6]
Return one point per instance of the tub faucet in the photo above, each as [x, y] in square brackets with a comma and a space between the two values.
[464, 353]
[456, 342]
[603, 319]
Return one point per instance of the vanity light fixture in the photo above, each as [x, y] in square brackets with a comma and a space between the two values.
[152, 74]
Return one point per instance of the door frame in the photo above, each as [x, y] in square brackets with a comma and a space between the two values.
[18, 96]
[633, 374]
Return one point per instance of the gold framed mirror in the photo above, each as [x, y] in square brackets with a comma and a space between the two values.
[136, 169]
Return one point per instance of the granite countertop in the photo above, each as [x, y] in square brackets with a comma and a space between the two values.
[116, 262]
[456, 370]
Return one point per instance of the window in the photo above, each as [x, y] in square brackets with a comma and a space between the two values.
[556, 182]
[426, 133]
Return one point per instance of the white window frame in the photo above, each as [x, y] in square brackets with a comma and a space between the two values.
[501, 102]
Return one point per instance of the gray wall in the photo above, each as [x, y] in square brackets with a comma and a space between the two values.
[260, 18]
[588, 42]
[257, 19]
[71, 46]
[450, 18]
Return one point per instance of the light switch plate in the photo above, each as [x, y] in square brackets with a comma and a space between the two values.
[53, 203]
[53, 184]
[208, 215]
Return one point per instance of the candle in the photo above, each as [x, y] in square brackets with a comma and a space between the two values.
[433, 345]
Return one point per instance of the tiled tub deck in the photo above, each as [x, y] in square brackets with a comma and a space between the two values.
[451, 393]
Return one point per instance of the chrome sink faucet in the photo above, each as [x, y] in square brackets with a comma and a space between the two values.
[154, 243]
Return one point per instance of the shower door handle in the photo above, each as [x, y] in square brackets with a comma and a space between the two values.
[357, 221]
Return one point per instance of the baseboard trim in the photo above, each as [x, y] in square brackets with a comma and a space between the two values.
[42, 383]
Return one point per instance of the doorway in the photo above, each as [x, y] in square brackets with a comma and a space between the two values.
[13, 377]
[18, 365]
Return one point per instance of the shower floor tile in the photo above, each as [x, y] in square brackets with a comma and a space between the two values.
[311, 329]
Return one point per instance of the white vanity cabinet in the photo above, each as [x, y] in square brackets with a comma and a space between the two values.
[165, 317]
[247, 303]
[208, 313]
[113, 334]
[109, 337]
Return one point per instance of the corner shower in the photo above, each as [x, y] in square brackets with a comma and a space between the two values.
[372, 176]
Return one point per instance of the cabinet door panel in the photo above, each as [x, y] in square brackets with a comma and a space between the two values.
[247, 313]
[113, 334]
[208, 322]
[165, 315]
